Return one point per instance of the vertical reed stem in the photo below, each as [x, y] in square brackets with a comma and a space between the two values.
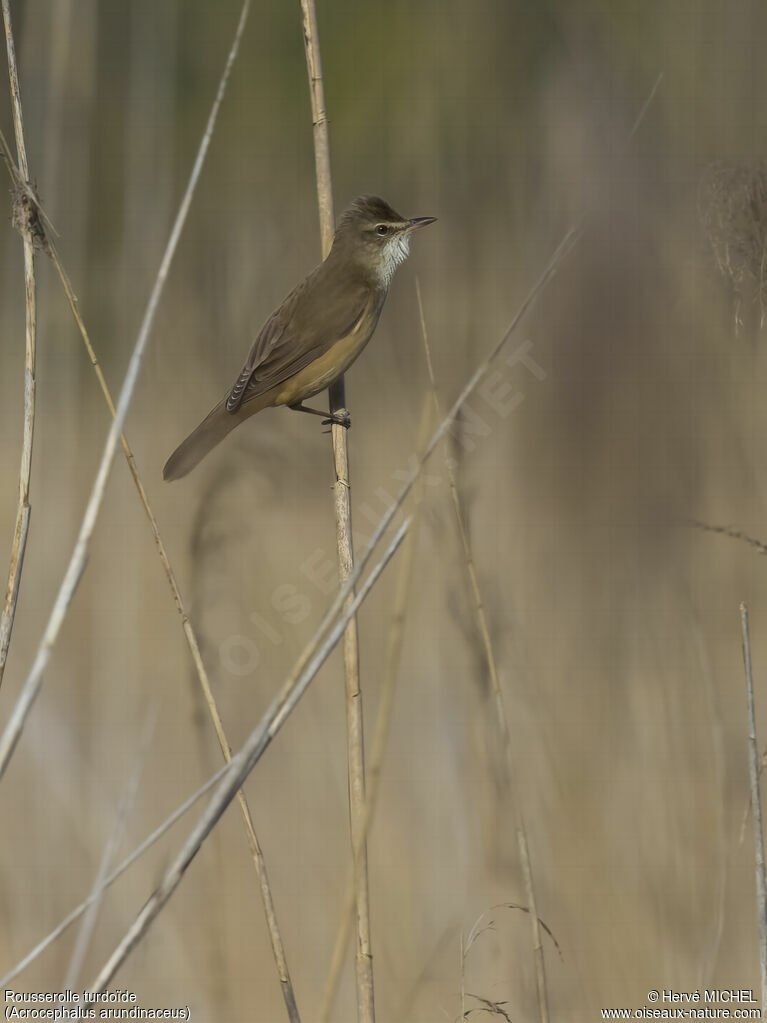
[22, 213]
[756, 804]
[354, 720]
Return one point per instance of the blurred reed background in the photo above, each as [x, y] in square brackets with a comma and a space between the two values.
[615, 624]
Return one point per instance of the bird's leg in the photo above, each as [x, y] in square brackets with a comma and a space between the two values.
[342, 418]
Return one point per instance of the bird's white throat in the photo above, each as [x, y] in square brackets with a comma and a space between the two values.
[396, 251]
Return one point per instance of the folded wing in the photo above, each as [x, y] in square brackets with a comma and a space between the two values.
[300, 331]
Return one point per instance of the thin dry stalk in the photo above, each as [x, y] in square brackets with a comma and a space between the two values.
[479, 928]
[23, 218]
[756, 804]
[114, 840]
[275, 936]
[79, 556]
[747, 807]
[563, 249]
[354, 717]
[189, 633]
[137, 853]
[535, 928]
[495, 685]
[487, 1005]
[243, 762]
[570, 239]
[319, 124]
[710, 954]
[734, 534]
[381, 731]
[279, 711]
[463, 977]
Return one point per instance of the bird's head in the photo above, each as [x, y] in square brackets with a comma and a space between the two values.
[376, 236]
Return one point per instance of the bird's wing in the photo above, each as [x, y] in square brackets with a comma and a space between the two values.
[293, 336]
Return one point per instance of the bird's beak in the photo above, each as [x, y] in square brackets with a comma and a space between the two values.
[417, 222]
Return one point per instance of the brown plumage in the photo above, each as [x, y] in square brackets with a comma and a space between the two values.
[317, 332]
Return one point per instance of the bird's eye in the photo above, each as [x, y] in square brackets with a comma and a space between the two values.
[382, 229]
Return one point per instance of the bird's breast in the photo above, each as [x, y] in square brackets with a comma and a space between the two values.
[329, 366]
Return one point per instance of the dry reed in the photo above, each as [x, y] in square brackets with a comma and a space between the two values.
[501, 717]
[756, 805]
[382, 724]
[243, 762]
[29, 201]
[25, 219]
[74, 915]
[190, 634]
[78, 559]
[363, 958]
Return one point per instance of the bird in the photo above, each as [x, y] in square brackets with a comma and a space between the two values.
[317, 332]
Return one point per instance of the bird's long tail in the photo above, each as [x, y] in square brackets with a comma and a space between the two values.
[211, 431]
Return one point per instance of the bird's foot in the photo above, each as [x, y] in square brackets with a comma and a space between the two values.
[340, 418]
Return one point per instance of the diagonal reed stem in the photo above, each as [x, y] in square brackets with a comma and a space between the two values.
[278, 712]
[22, 215]
[363, 958]
[310, 661]
[95, 895]
[79, 557]
[569, 241]
[109, 854]
[243, 762]
[275, 936]
[501, 717]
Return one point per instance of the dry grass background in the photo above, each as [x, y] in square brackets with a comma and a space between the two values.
[615, 624]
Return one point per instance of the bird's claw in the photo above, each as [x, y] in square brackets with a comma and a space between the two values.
[342, 418]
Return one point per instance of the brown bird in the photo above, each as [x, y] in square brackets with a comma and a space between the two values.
[317, 332]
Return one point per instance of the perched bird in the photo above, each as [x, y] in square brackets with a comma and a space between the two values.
[317, 332]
